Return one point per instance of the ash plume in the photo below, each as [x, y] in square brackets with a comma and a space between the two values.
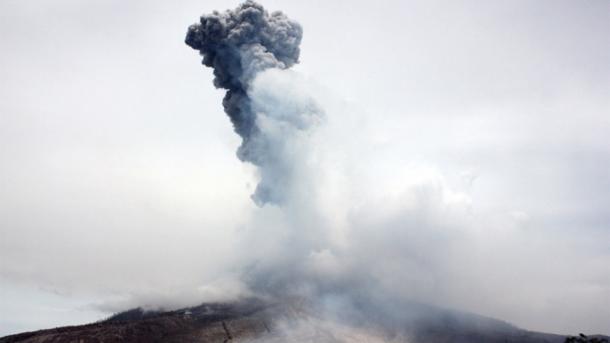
[354, 232]
[275, 113]
[239, 44]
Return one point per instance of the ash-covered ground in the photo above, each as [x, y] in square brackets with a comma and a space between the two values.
[291, 320]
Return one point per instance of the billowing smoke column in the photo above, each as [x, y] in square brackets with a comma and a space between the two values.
[239, 45]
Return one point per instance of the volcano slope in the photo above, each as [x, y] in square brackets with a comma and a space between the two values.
[254, 320]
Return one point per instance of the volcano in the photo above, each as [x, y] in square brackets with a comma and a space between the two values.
[294, 320]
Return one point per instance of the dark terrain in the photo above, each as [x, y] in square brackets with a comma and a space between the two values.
[258, 321]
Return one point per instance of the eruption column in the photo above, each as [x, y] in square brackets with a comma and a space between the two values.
[239, 44]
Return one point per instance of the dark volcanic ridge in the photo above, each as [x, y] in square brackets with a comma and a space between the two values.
[255, 320]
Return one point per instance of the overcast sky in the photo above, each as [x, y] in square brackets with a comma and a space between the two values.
[118, 175]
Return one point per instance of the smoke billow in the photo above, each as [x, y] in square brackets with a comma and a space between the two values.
[239, 45]
[274, 112]
[353, 231]
[298, 250]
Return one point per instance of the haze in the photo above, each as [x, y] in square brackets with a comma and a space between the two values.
[465, 161]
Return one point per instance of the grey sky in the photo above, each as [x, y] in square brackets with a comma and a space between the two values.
[119, 183]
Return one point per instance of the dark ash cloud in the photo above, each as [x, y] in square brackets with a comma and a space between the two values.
[238, 44]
